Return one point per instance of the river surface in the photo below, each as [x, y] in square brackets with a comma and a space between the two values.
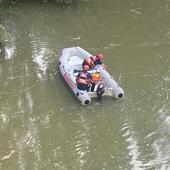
[42, 124]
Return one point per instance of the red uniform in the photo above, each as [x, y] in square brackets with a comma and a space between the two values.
[88, 61]
[83, 81]
[92, 61]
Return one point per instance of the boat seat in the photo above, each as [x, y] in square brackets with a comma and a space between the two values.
[75, 74]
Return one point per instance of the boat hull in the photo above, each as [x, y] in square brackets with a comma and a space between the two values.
[70, 63]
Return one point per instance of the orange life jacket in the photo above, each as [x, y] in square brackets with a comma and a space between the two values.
[90, 62]
[81, 81]
[82, 75]
[96, 59]
[82, 78]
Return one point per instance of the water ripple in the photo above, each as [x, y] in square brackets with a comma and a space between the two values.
[41, 54]
[132, 147]
[9, 41]
[82, 142]
[4, 119]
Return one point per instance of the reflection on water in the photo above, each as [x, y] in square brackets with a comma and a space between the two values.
[39, 52]
[132, 146]
[8, 43]
[43, 126]
[161, 146]
[82, 142]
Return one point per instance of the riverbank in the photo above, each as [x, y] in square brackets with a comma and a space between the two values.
[63, 2]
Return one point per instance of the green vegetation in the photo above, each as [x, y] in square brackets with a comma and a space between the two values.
[66, 2]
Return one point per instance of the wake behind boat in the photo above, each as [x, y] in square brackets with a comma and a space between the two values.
[70, 64]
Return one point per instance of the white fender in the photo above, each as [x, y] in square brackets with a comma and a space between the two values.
[84, 97]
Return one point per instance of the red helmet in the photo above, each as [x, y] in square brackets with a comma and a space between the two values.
[100, 56]
[86, 67]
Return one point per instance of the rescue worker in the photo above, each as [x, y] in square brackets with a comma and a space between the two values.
[84, 79]
[98, 59]
[95, 80]
[93, 60]
[96, 77]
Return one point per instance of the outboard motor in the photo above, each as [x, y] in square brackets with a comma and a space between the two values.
[100, 90]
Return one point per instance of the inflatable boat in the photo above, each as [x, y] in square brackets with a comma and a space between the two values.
[70, 63]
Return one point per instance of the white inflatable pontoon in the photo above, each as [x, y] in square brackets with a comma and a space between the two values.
[70, 63]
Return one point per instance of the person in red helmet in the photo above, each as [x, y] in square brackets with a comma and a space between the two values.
[86, 68]
[93, 60]
[88, 61]
[98, 59]
[83, 79]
